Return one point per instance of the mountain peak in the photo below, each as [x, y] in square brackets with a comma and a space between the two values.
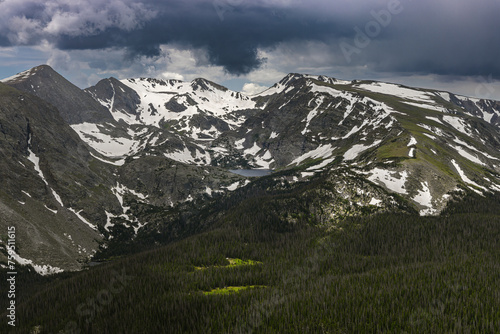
[289, 78]
[292, 77]
[43, 67]
[204, 84]
[38, 70]
[74, 105]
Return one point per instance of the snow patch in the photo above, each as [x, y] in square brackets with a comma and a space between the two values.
[43, 270]
[236, 185]
[394, 181]
[457, 123]
[468, 156]
[487, 116]
[412, 142]
[427, 106]
[396, 90]
[424, 198]
[252, 150]
[464, 177]
[354, 151]
[324, 163]
[105, 144]
[435, 119]
[322, 151]
[239, 143]
[411, 154]
[53, 211]
[313, 113]
[36, 162]
[83, 219]
[375, 202]
[108, 220]
[430, 136]
[181, 156]
[115, 163]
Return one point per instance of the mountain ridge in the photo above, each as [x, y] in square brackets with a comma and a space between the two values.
[163, 148]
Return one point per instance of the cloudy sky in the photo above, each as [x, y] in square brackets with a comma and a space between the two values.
[250, 44]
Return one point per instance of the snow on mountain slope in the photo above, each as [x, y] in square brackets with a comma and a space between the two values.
[195, 113]
[106, 144]
[488, 110]
[303, 119]
[397, 90]
[20, 76]
[172, 99]
[161, 143]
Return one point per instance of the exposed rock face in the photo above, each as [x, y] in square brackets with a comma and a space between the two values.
[47, 172]
[121, 97]
[484, 109]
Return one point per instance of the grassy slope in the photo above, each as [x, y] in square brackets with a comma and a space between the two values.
[439, 162]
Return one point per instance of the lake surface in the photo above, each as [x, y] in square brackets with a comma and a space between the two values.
[251, 172]
[95, 263]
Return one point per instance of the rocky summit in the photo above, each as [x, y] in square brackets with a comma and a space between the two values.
[82, 169]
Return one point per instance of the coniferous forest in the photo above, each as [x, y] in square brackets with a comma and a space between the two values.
[249, 272]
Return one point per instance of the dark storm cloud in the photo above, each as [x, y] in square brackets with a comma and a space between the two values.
[231, 35]
[448, 37]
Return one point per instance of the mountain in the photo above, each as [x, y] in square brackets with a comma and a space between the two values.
[74, 105]
[147, 160]
[48, 177]
[64, 198]
[419, 143]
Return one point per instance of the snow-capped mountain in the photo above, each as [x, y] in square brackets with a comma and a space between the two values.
[392, 134]
[148, 152]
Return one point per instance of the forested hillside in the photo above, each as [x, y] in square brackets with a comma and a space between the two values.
[246, 273]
